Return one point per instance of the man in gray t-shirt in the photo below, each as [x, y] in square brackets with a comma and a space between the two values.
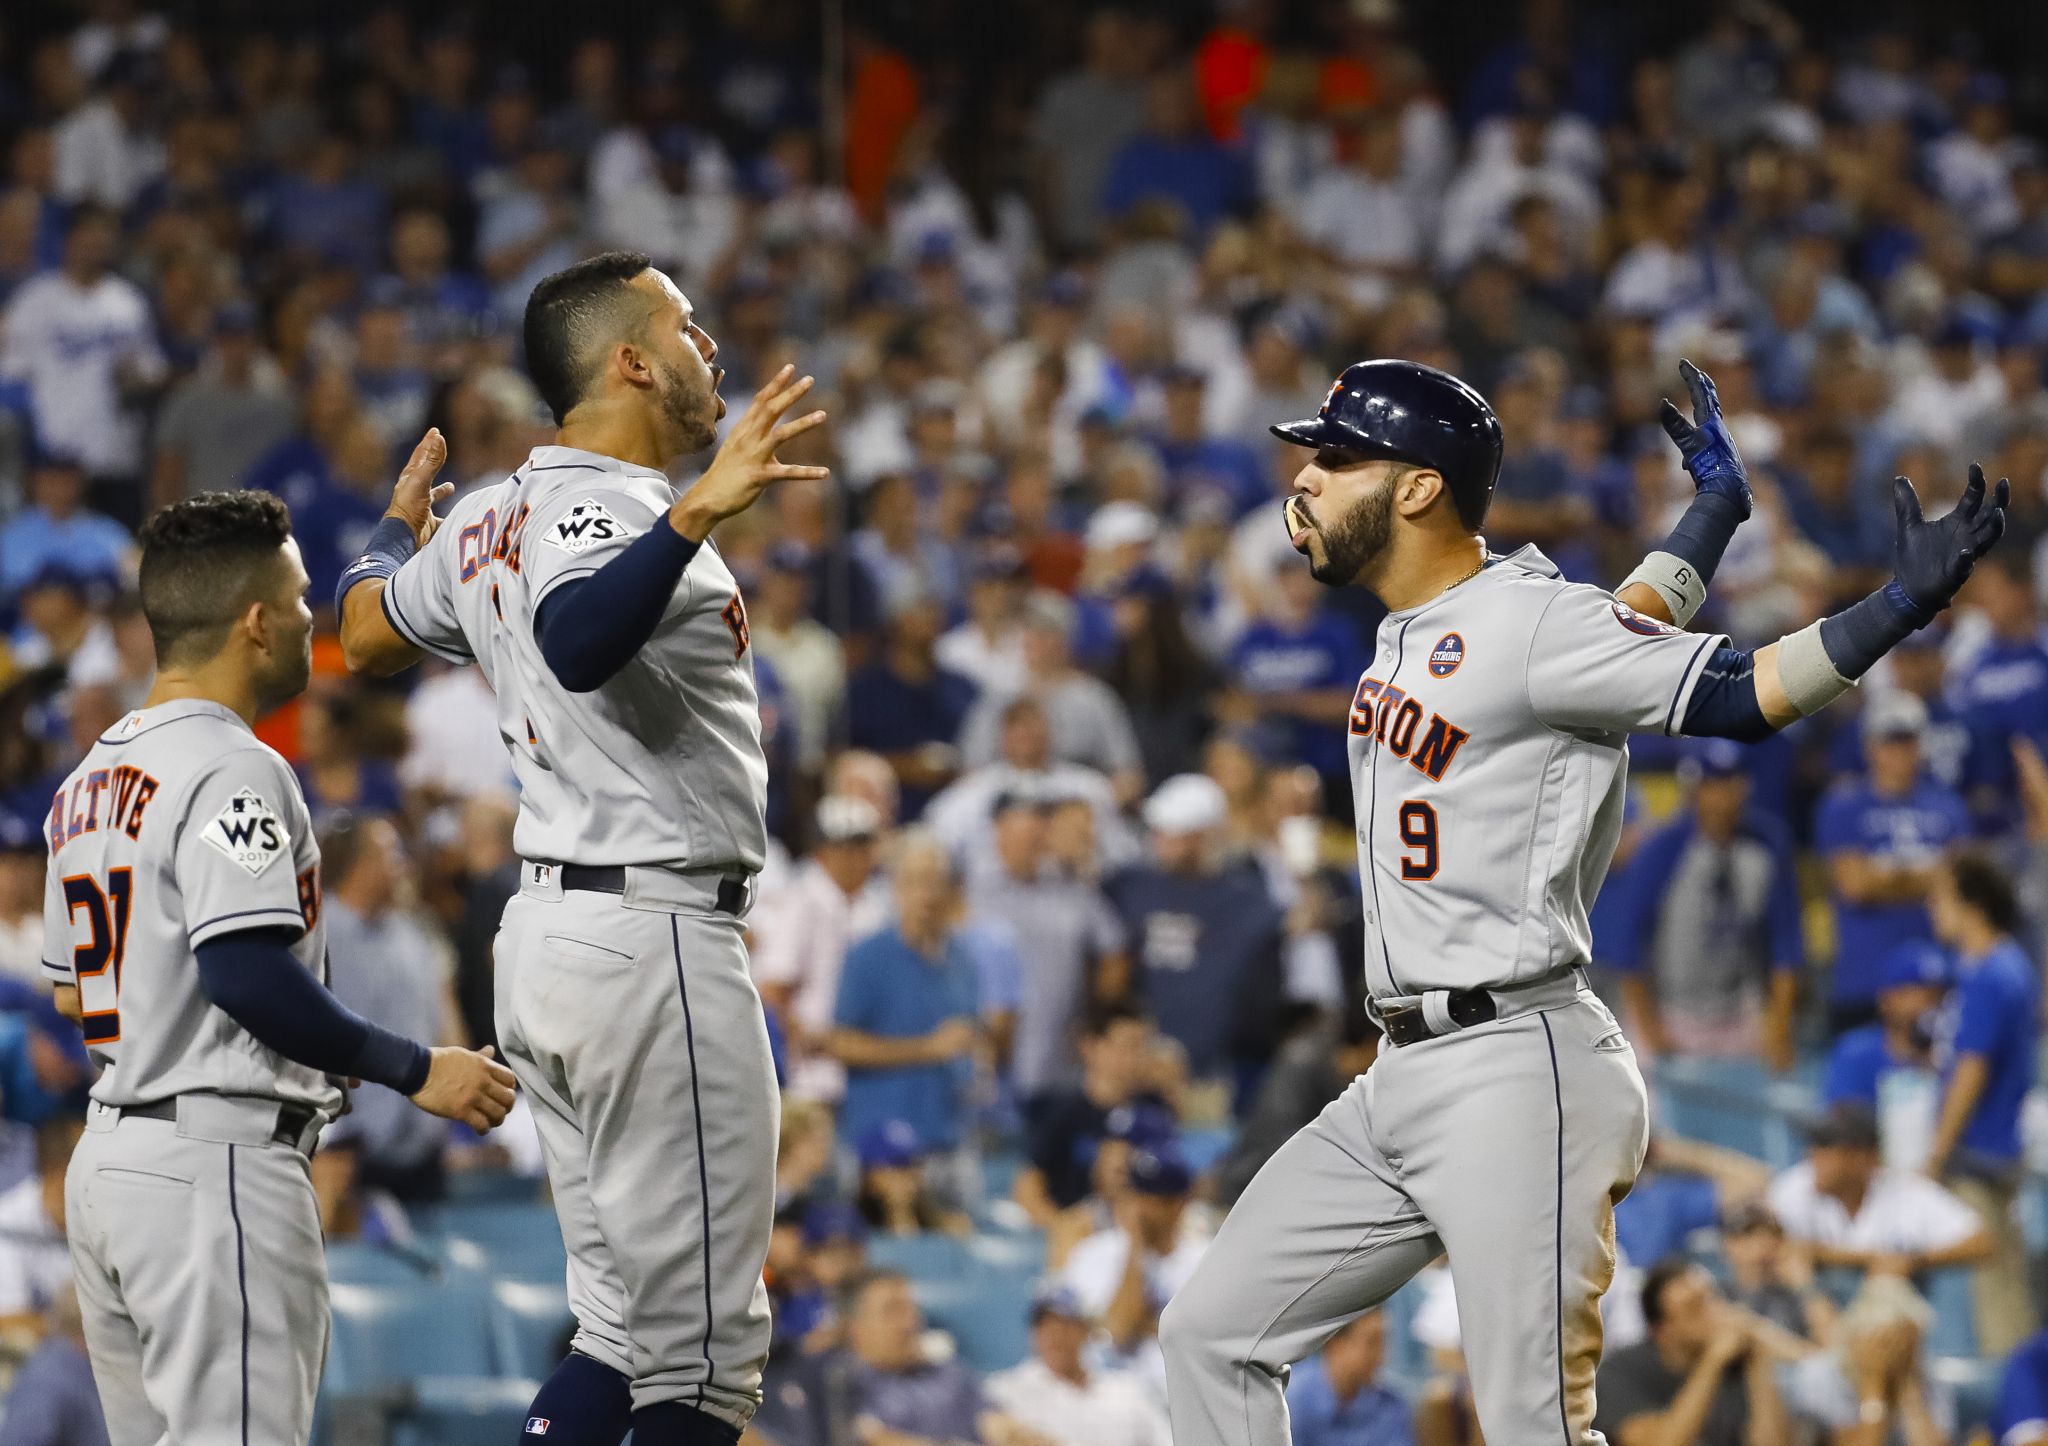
[1071, 941]
[216, 424]
[1701, 1377]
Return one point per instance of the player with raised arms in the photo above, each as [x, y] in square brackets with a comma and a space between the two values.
[1489, 754]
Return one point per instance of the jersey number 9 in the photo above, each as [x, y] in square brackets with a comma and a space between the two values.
[96, 963]
[1418, 832]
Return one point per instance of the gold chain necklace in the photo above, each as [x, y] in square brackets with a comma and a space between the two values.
[1466, 578]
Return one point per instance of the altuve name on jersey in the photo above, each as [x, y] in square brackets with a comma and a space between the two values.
[1391, 718]
[124, 791]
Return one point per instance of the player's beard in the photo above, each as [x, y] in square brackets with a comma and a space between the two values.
[291, 670]
[691, 412]
[1355, 539]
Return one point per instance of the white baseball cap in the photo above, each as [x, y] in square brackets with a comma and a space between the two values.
[1186, 803]
[843, 818]
[1117, 524]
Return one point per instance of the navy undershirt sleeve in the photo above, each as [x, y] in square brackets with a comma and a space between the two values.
[590, 628]
[1703, 533]
[1724, 703]
[255, 979]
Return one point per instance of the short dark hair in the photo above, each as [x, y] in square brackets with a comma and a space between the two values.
[857, 1287]
[569, 314]
[341, 844]
[1983, 886]
[1101, 1018]
[203, 561]
[1665, 1271]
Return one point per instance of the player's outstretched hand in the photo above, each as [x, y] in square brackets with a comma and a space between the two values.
[413, 499]
[746, 464]
[467, 1085]
[1935, 556]
[1704, 442]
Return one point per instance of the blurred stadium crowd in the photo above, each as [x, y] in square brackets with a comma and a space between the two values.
[1063, 935]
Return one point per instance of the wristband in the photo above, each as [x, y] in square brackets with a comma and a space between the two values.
[391, 543]
[1858, 636]
[1807, 670]
[1673, 579]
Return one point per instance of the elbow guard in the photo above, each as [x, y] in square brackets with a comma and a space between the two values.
[1724, 703]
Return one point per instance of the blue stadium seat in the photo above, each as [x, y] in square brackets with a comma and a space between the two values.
[1974, 1385]
[529, 1322]
[991, 1334]
[999, 1174]
[1954, 1332]
[462, 1412]
[351, 1262]
[1204, 1147]
[493, 1187]
[1009, 1251]
[521, 1241]
[387, 1335]
[921, 1257]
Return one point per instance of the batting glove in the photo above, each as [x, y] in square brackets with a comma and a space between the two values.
[1708, 450]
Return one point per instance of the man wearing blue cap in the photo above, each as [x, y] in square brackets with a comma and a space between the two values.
[1124, 1276]
[1709, 942]
[1058, 1395]
[1883, 836]
[56, 527]
[1894, 1057]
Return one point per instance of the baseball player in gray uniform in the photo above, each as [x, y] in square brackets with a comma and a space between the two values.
[614, 635]
[182, 930]
[1488, 745]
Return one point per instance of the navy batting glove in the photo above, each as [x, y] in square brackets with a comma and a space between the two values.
[1704, 442]
[1934, 559]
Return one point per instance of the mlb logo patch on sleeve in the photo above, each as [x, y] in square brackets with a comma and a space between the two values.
[537, 1425]
[585, 526]
[248, 831]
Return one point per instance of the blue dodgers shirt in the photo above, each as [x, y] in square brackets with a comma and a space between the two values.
[1373, 1417]
[1319, 654]
[2023, 1392]
[891, 990]
[1995, 1012]
[1915, 827]
[2002, 693]
[1857, 1066]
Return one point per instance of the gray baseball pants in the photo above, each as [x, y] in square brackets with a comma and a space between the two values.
[1507, 1145]
[633, 1026]
[202, 1279]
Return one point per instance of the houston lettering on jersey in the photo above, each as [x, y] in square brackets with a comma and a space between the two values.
[1392, 719]
[127, 792]
[482, 542]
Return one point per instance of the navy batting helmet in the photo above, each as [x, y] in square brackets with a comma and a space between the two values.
[1415, 414]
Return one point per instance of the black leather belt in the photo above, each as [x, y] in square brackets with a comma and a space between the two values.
[732, 893]
[290, 1129]
[1467, 1007]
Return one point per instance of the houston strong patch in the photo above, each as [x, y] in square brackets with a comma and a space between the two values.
[249, 831]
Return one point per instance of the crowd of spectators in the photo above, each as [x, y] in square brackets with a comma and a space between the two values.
[1054, 714]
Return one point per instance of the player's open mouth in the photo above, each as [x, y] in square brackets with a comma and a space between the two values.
[1299, 524]
[717, 381]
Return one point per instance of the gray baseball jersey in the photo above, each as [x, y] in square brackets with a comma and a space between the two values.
[178, 827]
[194, 1240]
[660, 766]
[1489, 753]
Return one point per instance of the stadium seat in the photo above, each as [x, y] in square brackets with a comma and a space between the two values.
[387, 1335]
[1954, 1332]
[444, 1412]
[990, 1334]
[921, 1257]
[351, 1262]
[493, 1187]
[522, 1241]
[529, 1322]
